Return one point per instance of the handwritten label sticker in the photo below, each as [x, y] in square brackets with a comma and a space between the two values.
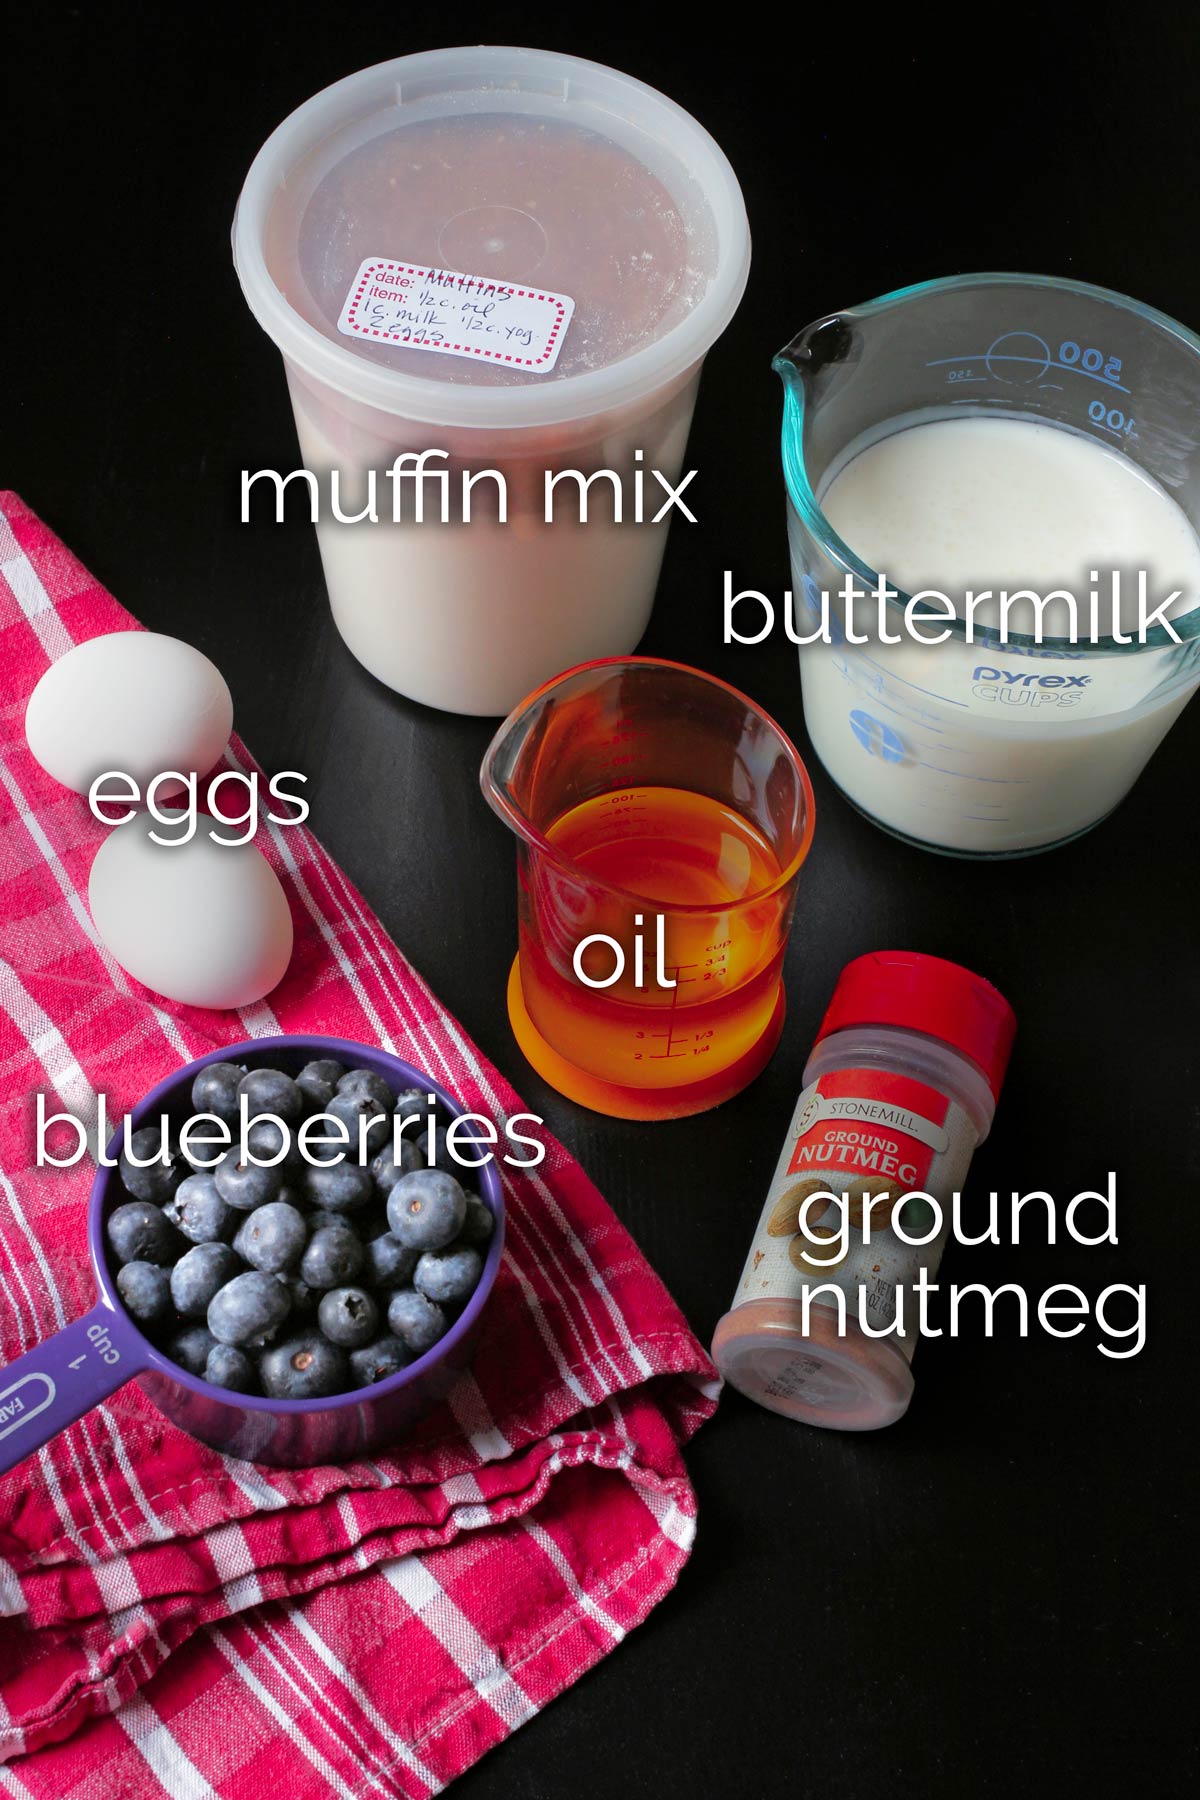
[456, 315]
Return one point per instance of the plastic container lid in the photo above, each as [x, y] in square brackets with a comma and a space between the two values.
[512, 166]
[926, 994]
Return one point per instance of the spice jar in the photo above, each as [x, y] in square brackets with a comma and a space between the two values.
[900, 1087]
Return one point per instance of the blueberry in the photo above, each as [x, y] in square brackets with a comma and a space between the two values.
[215, 1091]
[248, 1309]
[348, 1316]
[415, 1320]
[274, 1146]
[340, 1189]
[324, 1142]
[303, 1298]
[365, 1084]
[353, 1108]
[470, 1151]
[204, 1148]
[479, 1223]
[426, 1209]
[372, 1221]
[386, 1262]
[413, 1103]
[471, 1146]
[334, 1256]
[191, 1347]
[304, 1368]
[140, 1232]
[243, 1185]
[386, 1168]
[158, 1180]
[318, 1081]
[434, 1149]
[320, 1217]
[448, 1275]
[271, 1091]
[272, 1237]
[145, 1287]
[199, 1275]
[230, 1368]
[386, 1356]
[199, 1211]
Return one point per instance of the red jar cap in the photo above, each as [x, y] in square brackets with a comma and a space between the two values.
[928, 994]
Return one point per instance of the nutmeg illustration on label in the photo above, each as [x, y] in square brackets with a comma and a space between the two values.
[863, 1142]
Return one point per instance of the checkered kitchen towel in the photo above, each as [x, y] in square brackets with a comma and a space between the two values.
[175, 1621]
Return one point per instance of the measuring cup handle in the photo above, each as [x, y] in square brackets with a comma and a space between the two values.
[48, 1388]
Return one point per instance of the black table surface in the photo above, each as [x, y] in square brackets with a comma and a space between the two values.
[987, 1597]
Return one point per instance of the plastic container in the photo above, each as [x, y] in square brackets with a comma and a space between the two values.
[663, 815]
[901, 1086]
[536, 177]
[988, 749]
[44, 1391]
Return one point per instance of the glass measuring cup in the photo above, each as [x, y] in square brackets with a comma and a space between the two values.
[986, 749]
[661, 819]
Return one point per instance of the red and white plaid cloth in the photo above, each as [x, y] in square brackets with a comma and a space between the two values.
[175, 1621]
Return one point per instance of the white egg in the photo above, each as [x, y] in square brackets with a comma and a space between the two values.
[202, 923]
[135, 701]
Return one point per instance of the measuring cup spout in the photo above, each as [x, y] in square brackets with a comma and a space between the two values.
[508, 773]
[799, 365]
[825, 341]
[550, 753]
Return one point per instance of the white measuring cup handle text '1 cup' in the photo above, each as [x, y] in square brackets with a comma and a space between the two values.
[52, 1385]
[994, 748]
[519, 259]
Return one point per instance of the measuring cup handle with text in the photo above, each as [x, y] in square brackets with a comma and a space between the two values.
[57, 1381]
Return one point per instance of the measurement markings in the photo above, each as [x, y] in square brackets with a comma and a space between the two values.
[1042, 362]
[681, 980]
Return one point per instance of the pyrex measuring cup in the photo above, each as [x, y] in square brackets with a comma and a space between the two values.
[986, 749]
[511, 261]
[661, 819]
[52, 1385]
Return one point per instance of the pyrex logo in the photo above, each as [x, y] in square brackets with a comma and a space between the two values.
[1015, 687]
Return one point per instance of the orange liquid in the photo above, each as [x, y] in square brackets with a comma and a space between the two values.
[700, 865]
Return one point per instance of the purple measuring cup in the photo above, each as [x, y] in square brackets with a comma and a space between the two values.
[49, 1387]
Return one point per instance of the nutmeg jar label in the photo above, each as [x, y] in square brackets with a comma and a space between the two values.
[873, 1137]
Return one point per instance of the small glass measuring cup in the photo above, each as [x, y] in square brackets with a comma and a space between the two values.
[986, 749]
[662, 818]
